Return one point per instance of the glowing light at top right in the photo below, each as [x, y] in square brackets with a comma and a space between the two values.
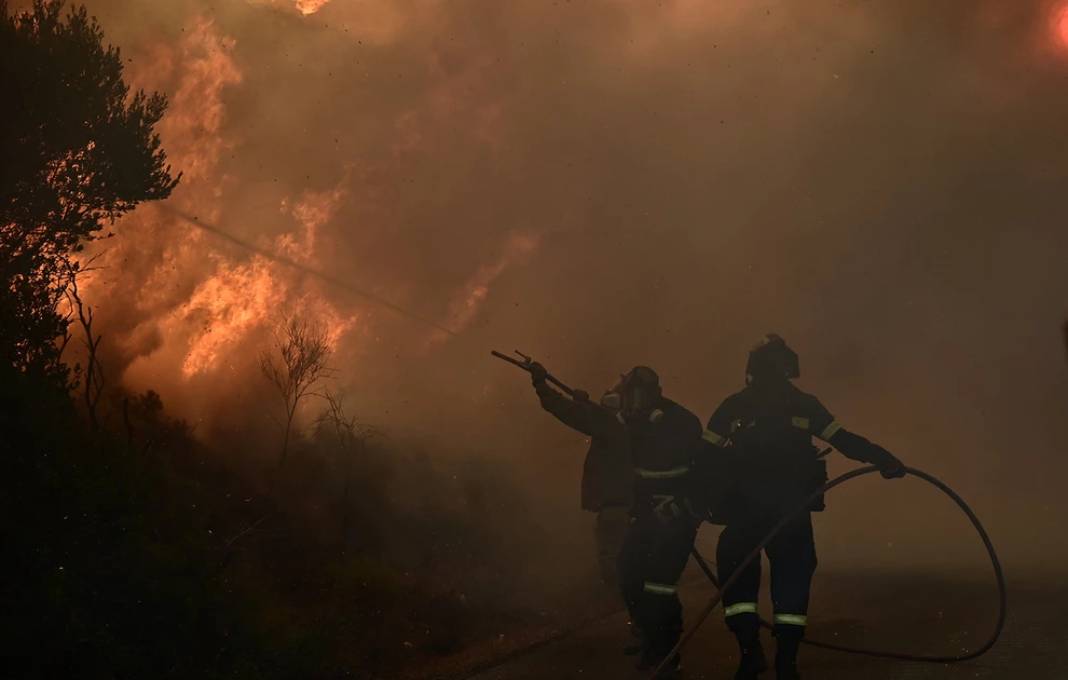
[1060, 26]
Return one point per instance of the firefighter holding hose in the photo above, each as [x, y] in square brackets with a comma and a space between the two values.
[765, 431]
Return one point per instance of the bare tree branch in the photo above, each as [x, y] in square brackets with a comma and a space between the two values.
[294, 365]
[94, 370]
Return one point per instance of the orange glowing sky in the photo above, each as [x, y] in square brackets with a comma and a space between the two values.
[602, 184]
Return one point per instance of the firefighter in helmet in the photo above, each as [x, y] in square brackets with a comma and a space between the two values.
[663, 439]
[657, 440]
[766, 432]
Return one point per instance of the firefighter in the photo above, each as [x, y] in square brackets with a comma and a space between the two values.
[606, 473]
[663, 438]
[766, 431]
[657, 440]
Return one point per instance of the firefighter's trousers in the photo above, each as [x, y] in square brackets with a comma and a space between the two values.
[792, 554]
[654, 554]
[613, 522]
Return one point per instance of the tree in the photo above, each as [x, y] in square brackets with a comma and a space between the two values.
[294, 366]
[351, 437]
[93, 376]
[79, 150]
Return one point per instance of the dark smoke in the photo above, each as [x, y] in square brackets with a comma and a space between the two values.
[605, 184]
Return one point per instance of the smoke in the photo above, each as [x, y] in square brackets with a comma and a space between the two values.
[603, 184]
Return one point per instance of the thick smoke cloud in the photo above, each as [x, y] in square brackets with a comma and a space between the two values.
[604, 184]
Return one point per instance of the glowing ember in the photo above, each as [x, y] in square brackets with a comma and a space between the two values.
[307, 7]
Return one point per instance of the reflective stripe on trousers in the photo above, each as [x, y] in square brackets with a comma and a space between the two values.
[740, 608]
[659, 588]
[645, 473]
[791, 620]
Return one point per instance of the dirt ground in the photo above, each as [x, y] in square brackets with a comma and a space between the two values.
[923, 613]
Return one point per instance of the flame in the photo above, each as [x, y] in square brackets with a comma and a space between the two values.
[236, 307]
[224, 309]
[307, 7]
[464, 308]
[222, 314]
[191, 130]
[188, 313]
[195, 72]
[312, 212]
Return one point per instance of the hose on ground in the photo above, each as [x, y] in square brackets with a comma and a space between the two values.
[804, 507]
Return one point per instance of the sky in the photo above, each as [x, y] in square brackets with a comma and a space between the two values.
[603, 184]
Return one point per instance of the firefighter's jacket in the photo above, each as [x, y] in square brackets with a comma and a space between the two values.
[663, 446]
[760, 442]
[638, 463]
[606, 474]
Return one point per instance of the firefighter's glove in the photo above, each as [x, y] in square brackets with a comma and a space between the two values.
[537, 373]
[890, 467]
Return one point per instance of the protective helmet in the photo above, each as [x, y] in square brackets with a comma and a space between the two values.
[771, 358]
[640, 390]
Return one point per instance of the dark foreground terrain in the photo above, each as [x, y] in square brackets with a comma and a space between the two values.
[921, 613]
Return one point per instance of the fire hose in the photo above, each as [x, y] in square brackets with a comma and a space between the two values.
[803, 507]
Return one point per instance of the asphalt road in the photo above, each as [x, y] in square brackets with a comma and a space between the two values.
[918, 613]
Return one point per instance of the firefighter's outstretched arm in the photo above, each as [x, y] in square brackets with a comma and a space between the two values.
[858, 448]
[577, 412]
[823, 425]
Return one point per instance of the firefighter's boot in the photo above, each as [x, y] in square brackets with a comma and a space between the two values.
[788, 640]
[752, 661]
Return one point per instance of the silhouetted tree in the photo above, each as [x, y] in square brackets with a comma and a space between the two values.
[93, 375]
[79, 150]
[294, 365]
[351, 437]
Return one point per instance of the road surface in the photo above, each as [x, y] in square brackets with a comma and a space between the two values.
[921, 613]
